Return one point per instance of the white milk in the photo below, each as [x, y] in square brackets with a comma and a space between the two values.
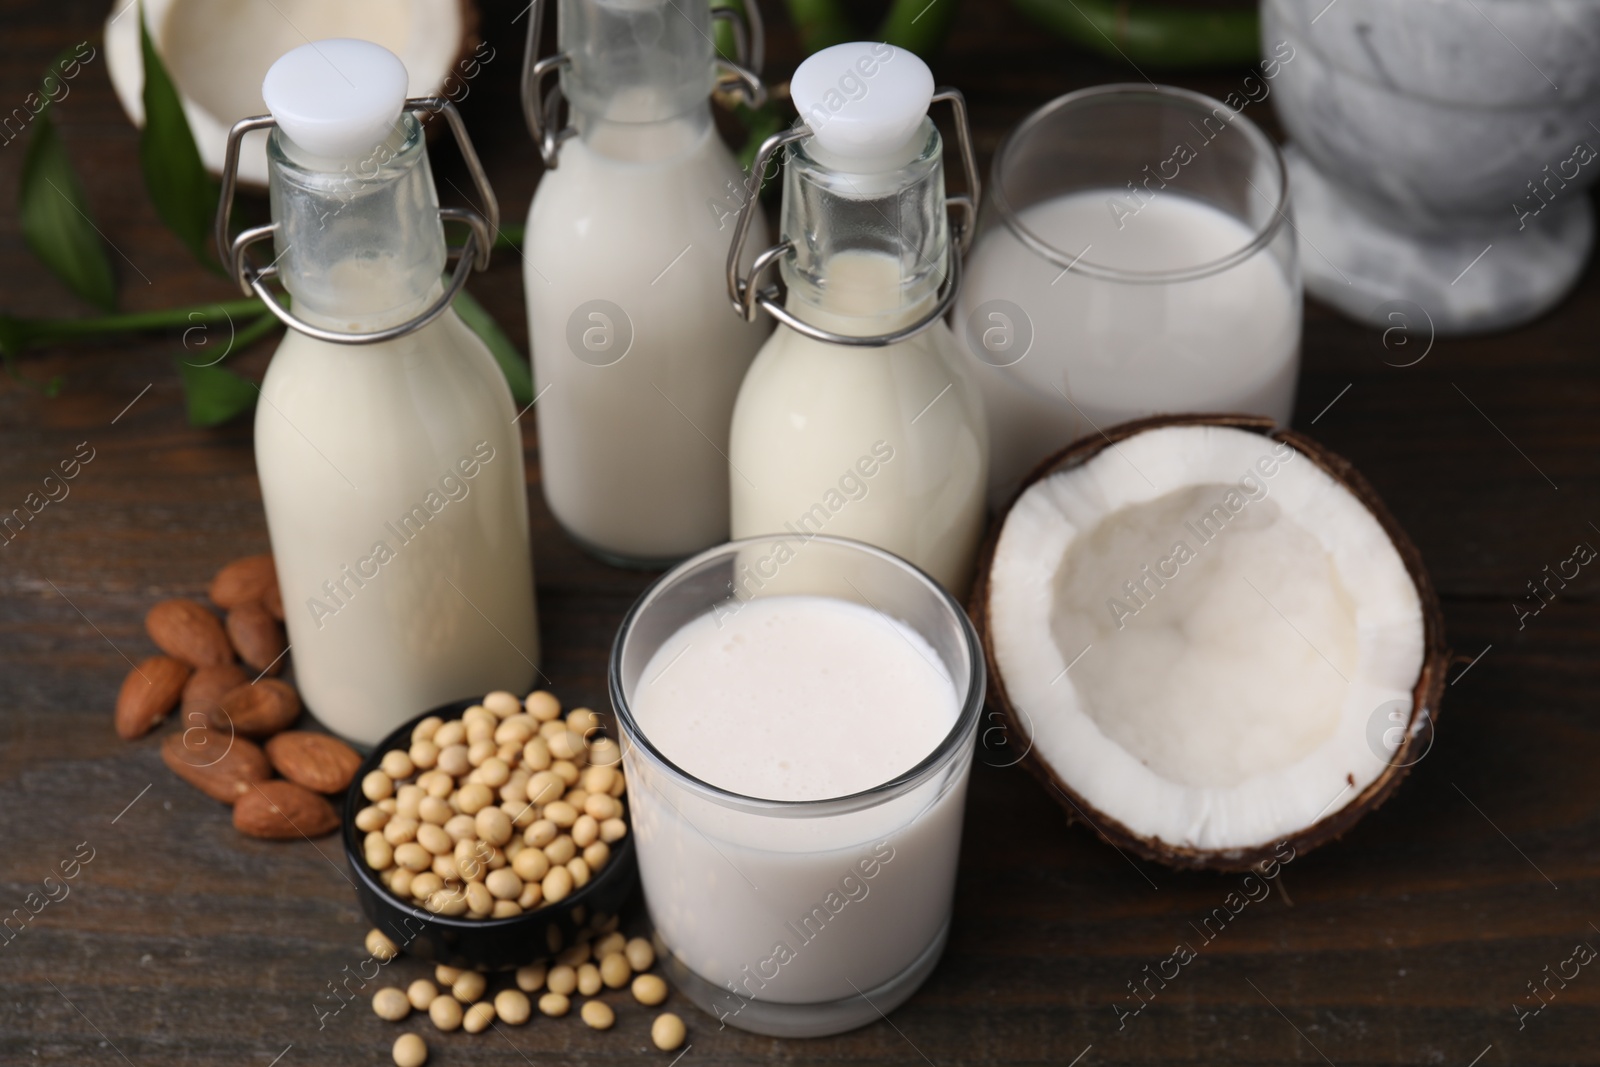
[1229, 342]
[883, 445]
[393, 484]
[633, 436]
[796, 698]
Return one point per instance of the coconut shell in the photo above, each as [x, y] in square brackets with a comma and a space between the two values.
[1426, 694]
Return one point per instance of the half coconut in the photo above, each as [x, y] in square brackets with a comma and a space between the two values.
[1212, 635]
[218, 52]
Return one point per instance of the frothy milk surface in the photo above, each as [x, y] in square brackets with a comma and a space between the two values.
[796, 698]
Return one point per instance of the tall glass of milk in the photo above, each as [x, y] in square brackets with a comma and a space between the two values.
[798, 721]
[390, 463]
[636, 361]
[1135, 257]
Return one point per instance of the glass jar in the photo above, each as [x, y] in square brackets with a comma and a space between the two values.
[798, 918]
[1134, 258]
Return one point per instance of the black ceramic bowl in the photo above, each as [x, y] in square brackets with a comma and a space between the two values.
[484, 944]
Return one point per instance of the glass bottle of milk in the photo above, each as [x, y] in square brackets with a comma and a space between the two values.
[390, 461]
[635, 359]
[858, 418]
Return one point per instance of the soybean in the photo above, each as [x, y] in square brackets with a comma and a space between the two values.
[530, 978]
[377, 786]
[477, 1018]
[557, 884]
[469, 987]
[421, 993]
[410, 1051]
[512, 1006]
[667, 1031]
[615, 970]
[598, 1014]
[649, 990]
[390, 1003]
[446, 1013]
[640, 955]
[561, 979]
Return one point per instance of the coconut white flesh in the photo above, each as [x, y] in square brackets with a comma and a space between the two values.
[218, 51]
[1224, 702]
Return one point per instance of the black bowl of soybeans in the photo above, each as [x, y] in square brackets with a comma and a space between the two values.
[522, 871]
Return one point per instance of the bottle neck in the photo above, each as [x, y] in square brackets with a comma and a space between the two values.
[870, 250]
[640, 70]
[359, 242]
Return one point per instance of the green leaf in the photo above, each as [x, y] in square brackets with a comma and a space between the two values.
[821, 23]
[919, 26]
[13, 339]
[252, 333]
[1169, 36]
[183, 193]
[55, 216]
[513, 364]
[215, 394]
[509, 237]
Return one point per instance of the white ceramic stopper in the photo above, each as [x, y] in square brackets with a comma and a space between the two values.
[338, 97]
[863, 101]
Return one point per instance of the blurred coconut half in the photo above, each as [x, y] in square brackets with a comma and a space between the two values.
[218, 52]
[1213, 637]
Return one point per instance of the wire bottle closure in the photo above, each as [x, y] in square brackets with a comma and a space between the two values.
[473, 254]
[747, 294]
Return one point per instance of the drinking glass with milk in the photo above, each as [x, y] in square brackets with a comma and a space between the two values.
[798, 721]
[390, 466]
[1135, 258]
[636, 361]
[858, 418]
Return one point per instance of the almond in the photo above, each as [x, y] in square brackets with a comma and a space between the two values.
[243, 580]
[256, 636]
[279, 810]
[259, 709]
[219, 764]
[321, 763]
[148, 693]
[186, 631]
[206, 688]
[272, 600]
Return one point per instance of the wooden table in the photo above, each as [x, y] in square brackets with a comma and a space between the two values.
[1409, 942]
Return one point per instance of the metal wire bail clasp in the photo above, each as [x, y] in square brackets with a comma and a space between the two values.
[742, 73]
[474, 253]
[747, 293]
[543, 112]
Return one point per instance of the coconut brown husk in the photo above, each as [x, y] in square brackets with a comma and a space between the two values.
[1426, 695]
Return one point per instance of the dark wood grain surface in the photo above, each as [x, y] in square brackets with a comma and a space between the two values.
[1410, 942]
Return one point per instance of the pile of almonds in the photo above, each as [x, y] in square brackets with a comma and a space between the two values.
[456, 999]
[228, 707]
[506, 809]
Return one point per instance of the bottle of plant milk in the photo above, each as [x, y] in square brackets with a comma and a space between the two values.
[635, 359]
[857, 419]
[390, 462]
